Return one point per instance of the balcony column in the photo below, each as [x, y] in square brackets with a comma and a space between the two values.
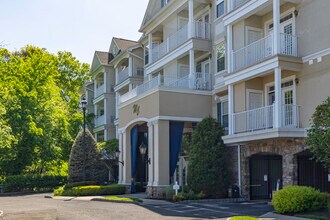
[106, 112]
[95, 87]
[130, 66]
[276, 21]
[105, 133]
[117, 74]
[150, 47]
[231, 109]
[191, 26]
[151, 153]
[117, 104]
[120, 176]
[230, 48]
[278, 97]
[105, 82]
[191, 68]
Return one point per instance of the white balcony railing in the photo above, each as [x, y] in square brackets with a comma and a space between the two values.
[100, 121]
[202, 31]
[262, 49]
[198, 81]
[237, 3]
[99, 91]
[123, 75]
[263, 118]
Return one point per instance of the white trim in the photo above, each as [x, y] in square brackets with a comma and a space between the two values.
[286, 79]
[287, 12]
[316, 55]
[223, 98]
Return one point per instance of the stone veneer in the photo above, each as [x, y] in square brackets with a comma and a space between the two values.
[154, 192]
[286, 147]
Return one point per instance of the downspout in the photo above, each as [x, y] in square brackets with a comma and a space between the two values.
[239, 169]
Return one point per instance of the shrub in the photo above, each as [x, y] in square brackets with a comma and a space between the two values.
[86, 183]
[90, 190]
[34, 183]
[191, 195]
[207, 160]
[169, 192]
[295, 199]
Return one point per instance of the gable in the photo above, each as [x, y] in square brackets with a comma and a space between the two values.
[95, 63]
[153, 7]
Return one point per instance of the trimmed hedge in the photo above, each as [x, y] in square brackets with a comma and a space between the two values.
[295, 199]
[191, 195]
[32, 183]
[90, 190]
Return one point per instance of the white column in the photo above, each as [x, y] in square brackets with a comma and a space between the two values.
[95, 87]
[95, 136]
[156, 153]
[231, 108]
[105, 82]
[105, 132]
[191, 68]
[150, 48]
[123, 155]
[278, 97]
[229, 48]
[117, 103]
[191, 26]
[150, 153]
[229, 5]
[120, 178]
[130, 66]
[106, 112]
[276, 20]
[117, 72]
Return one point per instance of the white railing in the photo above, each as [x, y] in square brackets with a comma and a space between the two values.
[290, 116]
[253, 120]
[99, 91]
[197, 81]
[288, 45]
[202, 31]
[262, 49]
[170, 43]
[123, 75]
[253, 53]
[263, 118]
[100, 121]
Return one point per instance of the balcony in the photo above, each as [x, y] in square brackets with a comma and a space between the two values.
[262, 49]
[99, 121]
[263, 119]
[123, 75]
[202, 30]
[99, 91]
[199, 81]
[237, 3]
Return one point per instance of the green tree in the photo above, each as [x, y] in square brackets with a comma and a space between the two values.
[207, 159]
[319, 134]
[84, 164]
[40, 97]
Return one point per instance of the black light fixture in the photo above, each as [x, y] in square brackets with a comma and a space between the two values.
[296, 81]
[143, 151]
[117, 154]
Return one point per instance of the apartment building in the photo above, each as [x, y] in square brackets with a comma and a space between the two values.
[259, 66]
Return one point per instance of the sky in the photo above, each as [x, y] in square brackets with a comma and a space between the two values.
[78, 26]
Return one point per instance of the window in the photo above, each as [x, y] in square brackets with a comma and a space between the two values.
[221, 51]
[164, 2]
[222, 115]
[146, 55]
[220, 8]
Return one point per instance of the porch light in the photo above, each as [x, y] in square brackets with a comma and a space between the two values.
[117, 153]
[83, 103]
[143, 149]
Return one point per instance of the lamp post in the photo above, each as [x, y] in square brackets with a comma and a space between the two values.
[83, 106]
[117, 153]
[143, 151]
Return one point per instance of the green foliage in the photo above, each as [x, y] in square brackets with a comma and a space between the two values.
[190, 195]
[319, 134]
[84, 164]
[125, 199]
[33, 183]
[169, 192]
[85, 183]
[109, 147]
[90, 190]
[207, 160]
[39, 115]
[295, 199]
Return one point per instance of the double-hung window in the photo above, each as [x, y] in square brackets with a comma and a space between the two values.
[221, 52]
[223, 115]
[220, 8]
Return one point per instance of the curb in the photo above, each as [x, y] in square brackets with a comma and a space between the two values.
[213, 200]
[105, 200]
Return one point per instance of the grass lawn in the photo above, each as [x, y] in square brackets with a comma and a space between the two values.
[243, 218]
[126, 199]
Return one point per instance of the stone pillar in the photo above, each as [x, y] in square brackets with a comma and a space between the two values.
[150, 153]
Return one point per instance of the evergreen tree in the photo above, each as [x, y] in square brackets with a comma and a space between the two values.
[84, 164]
[207, 160]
